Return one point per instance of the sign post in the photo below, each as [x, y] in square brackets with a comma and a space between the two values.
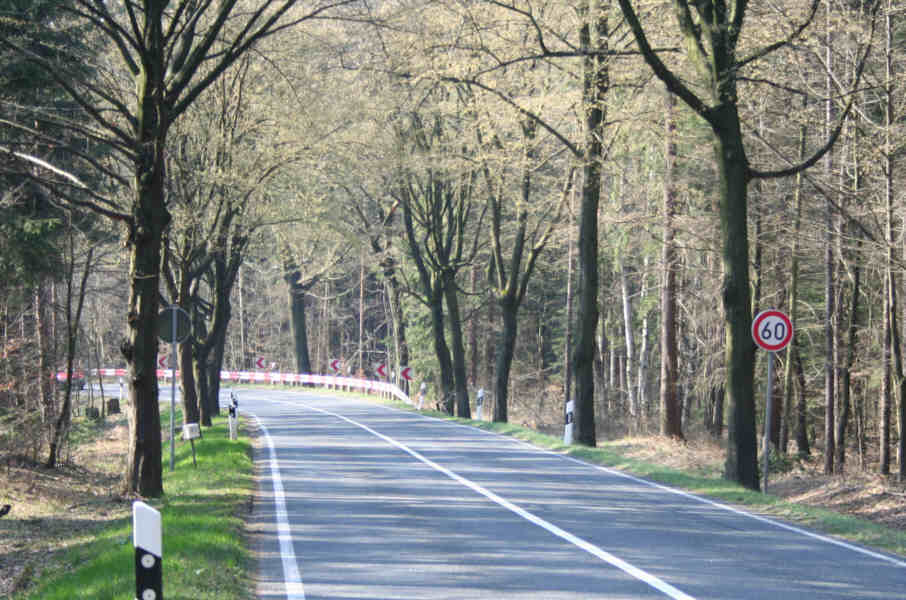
[772, 330]
[174, 326]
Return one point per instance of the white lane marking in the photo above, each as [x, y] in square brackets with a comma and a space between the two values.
[292, 578]
[779, 524]
[607, 557]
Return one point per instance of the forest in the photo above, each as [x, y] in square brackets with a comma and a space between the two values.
[547, 200]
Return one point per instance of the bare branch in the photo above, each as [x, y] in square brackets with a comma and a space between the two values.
[672, 82]
[761, 53]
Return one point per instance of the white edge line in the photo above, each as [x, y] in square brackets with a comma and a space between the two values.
[292, 578]
[596, 551]
[779, 524]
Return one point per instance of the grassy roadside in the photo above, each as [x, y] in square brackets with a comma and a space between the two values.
[703, 483]
[203, 512]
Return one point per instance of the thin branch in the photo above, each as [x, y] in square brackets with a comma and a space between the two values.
[758, 54]
[672, 82]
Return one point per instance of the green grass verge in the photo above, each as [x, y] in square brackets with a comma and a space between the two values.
[202, 511]
[606, 454]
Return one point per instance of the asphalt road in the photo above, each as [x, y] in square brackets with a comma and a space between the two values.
[358, 501]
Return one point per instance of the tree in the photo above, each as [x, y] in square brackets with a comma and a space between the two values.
[594, 36]
[671, 418]
[172, 52]
[441, 228]
[38, 249]
[711, 32]
[74, 302]
[511, 275]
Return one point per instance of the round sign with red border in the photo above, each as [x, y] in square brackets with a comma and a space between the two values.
[772, 330]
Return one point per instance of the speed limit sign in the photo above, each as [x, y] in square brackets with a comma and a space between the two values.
[772, 330]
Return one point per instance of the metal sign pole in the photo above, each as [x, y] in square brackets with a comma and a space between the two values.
[768, 409]
[772, 331]
[172, 386]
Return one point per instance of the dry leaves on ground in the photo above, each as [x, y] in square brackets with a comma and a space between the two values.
[51, 508]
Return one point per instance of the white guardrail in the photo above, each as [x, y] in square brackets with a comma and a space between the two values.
[368, 386]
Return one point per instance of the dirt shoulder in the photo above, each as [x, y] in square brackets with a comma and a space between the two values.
[855, 492]
[51, 509]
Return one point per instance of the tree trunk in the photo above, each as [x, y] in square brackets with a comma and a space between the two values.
[200, 377]
[73, 321]
[845, 402]
[243, 334]
[459, 352]
[889, 191]
[803, 446]
[442, 351]
[143, 471]
[45, 361]
[225, 276]
[671, 417]
[629, 338]
[596, 82]
[505, 354]
[489, 359]
[188, 389]
[361, 351]
[568, 334]
[794, 293]
[890, 307]
[642, 379]
[214, 367]
[742, 449]
[473, 330]
[829, 338]
[297, 314]
[398, 317]
[602, 352]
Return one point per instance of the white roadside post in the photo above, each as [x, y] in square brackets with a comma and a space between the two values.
[480, 401]
[234, 403]
[772, 330]
[148, 542]
[570, 420]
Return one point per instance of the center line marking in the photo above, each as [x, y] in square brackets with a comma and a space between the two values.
[644, 576]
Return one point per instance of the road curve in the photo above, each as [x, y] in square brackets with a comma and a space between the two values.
[358, 501]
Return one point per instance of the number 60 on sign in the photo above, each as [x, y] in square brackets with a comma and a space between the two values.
[772, 330]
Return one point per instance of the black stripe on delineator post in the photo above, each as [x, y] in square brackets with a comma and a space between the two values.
[147, 539]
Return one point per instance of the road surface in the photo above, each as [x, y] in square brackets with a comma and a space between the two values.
[360, 501]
